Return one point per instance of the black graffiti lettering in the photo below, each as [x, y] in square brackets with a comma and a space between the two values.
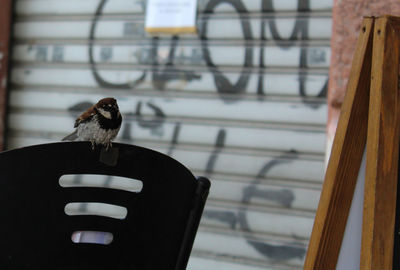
[228, 91]
[303, 73]
[159, 78]
[175, 137]
[285, 158]
[169, 72]
[93, 67]
[314, 104]
[260, 85]
[278, 252]
[252, 191]
[283, 197]
[126, 129]
[219, 144]
[227, 217]
[272, 252]
[300, 30]
[302, 5]
[224, 86]
[155, 121]
[324, 89]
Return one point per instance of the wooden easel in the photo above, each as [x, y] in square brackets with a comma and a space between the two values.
[369, 118]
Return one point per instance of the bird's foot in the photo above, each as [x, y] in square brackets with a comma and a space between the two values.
[108, 146]
[93, 144]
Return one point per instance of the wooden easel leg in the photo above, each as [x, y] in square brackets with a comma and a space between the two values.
[382, 148]
[345, 160]
[396, 246]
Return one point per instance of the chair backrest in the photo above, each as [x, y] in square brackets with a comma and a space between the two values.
[41, 216]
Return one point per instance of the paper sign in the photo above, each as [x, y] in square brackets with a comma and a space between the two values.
[171, 16]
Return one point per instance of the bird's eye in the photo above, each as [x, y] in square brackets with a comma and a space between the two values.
[109, 105]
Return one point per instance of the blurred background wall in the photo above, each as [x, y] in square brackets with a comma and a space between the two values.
[242, 102]
[347, 16]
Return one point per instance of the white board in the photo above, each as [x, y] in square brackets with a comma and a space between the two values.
[350, 251]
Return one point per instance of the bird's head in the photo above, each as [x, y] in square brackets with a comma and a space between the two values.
[108, 108]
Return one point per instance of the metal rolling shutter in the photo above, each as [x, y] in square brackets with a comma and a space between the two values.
[243, 102]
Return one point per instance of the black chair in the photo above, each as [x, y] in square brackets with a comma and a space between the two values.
[36, 232]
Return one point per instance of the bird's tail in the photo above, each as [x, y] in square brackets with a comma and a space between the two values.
[71, 137]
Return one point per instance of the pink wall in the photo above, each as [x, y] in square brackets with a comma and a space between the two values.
[347, 16]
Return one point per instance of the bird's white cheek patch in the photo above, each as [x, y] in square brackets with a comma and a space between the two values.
[105, 113]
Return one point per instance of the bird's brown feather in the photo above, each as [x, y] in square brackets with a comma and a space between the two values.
[85, 116]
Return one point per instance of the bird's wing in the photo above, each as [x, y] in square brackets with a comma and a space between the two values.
[85, 116]
[71, 137]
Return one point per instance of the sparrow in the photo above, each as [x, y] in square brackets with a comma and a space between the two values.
[99, 124]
